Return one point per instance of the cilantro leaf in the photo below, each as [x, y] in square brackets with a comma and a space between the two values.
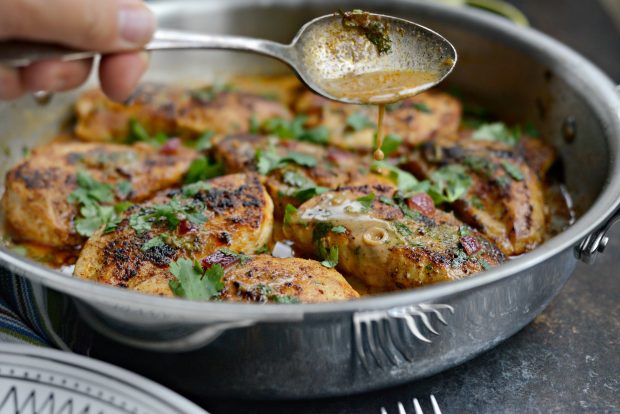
[170, 214]
[422, 107]
[203, 142]
[306, 194]
[329, 256]
[402, 229]
[289, 212]
[138, 133]
[358, 121]
[295, 179]
[284, 299]
[366, 201]
[203, 168]
[156, 241]
[124, 188]
[497, 131]
[190, 190]
[403, 180]
[513, 170]
[449, 183]
[391, 142]
[88, 196]
[192, 282]
[268, 160]
[339, 229]
[318, 135]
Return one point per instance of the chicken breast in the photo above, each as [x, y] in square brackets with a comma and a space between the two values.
[35, 200]
[386, 242]
[232, 211]
[295, 171]
[174, 111]
[414, 120]
[505, 199]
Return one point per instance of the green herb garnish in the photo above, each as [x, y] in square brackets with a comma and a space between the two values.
[192, 282]
[203, 142]
[359, 121]
[137, 133]
[268, 160]
[339, 229]
[422, 107]
[170, 214]
[156, 241]
[306, 194]
[497, 131]
[203, 168]
[289, 212]
[366, 201]
[329, 256]
[402, 229]
[513, 170]
[449, 184]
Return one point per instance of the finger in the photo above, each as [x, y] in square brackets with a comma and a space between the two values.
[54, 75]
[10, 85]
[108, 25]
[120, 73]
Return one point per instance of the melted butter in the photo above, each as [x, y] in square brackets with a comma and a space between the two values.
[379, 87]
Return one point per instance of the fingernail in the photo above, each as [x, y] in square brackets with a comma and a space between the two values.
[136, 24]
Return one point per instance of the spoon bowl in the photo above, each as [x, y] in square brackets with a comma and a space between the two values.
[333, 60]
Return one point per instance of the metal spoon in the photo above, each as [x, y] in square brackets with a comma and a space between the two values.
[322, 51]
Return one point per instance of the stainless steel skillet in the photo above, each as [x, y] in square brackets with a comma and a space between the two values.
[294, 351]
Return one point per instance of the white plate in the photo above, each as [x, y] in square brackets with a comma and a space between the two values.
[43, 381]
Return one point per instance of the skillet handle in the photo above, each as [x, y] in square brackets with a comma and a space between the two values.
[596, 242]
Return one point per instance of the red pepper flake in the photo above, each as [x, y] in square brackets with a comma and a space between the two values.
[338, 156]
[422, 202]
[171, 146]
[222, 258]
[185, 227]
[470, 245]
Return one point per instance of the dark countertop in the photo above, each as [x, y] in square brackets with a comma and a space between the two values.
[568, 359]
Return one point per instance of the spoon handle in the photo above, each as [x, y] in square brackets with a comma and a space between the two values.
[23, 53]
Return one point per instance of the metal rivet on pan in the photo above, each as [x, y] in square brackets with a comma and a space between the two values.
[42, 97]
[569, 129]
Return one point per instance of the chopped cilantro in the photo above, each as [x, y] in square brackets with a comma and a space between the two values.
[358, 121]
[203, 142]
[262, 250]
[339, 229]
[530, 130]
[293, 129]
[422, 107]
[476, 202]
[289, 212]
[89, 195]
[283, 299]
[402, 229]
[171, 214]
[268, 160]
[497, 131]
[306, 194]
[405, 181]
[192, 282]
[449, 183]
[137, 133]
[320, 230]
[513, 170]
[484, 263]
[317, 135]
[156, 241]
[366, 201]
[124, 189]
[295, 179]
[240, 256]
[464, 231]
[122, 206]
[254, 127]
[428, 267]
[387, 200]
[391, 142]
[190, 190]
[203, 168]
[329, 256]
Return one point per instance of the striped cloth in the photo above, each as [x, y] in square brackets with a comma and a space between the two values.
[20, 318]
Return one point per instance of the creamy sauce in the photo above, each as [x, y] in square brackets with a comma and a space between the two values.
[378, 154]
[380, 88]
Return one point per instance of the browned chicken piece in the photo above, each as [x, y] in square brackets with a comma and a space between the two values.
[386, 242]
[415, 120]
[284, 280]
[232, 211]
[295, 171]
[173, 110]
[505, 199]
[36, 201]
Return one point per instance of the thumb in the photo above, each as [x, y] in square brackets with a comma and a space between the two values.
[101, 25]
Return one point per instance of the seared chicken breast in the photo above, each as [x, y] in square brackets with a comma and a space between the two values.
[174, 111]
[264, 278]
[414, 120]
[233, 212]
[37, 201]
[295, 171]
[505, 198]
[388, 243]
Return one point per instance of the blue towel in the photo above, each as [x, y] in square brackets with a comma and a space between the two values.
[20, 319]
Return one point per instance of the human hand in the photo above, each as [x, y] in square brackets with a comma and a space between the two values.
[100, 25]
